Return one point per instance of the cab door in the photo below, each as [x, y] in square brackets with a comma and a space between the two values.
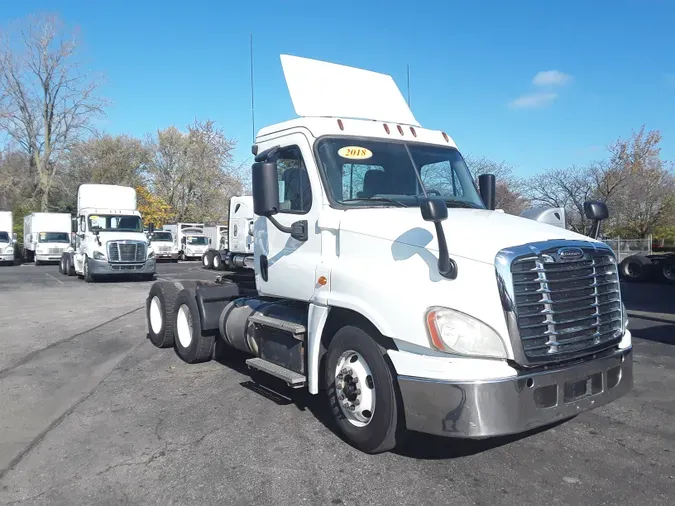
[286, 267]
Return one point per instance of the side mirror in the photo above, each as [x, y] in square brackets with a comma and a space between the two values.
[434, 209]
[595, 211]
[487, 187]
[73, 225]
[14, 238]
[265, 189]
[151, 227]
[210, 241]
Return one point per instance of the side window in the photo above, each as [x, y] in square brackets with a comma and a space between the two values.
[295, 193]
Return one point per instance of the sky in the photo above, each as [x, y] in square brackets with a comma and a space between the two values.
[537, 84]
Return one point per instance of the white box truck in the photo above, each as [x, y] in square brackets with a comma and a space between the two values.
[46, 236]
[7, 238]
[109, 236]
[163, 244]
[239, 242]
[384, 279]
[190, 238]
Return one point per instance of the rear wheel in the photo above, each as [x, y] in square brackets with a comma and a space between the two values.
[362, 392]
[207, 259]
[635, 268]
[668, 272]
[217, 262]
[191, 345]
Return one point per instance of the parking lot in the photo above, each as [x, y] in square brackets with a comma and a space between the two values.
[92, 413]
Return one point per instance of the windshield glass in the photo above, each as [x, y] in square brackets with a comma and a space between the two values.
[119, 223]
[54, 237]
[162, 236]
[4, 237]
[368, 173]
[196, 240]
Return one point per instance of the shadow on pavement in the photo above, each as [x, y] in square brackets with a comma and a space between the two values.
[664, 334]
[650, 297]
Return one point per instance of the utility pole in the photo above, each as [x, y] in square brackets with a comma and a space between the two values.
[252, 102]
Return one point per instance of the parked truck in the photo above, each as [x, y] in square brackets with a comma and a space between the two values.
[190, 239]
[383, 278]
[109, 236]
[46, 236]
[217, 238]
[163, 244]
[7, 238]
[240, 237]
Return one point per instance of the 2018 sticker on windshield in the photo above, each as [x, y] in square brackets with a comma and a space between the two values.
[355, 153]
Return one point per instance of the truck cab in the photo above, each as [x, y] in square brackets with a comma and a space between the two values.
[163, 244]
[190, 239]
[109, 236]
[7, 238]
[386, 280]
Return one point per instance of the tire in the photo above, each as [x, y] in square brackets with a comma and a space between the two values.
[668, 271]
[62, 269]
[70, 267]
[385, 428]
[36, 262]
[88, 276]
[207, 259]
[217, 262]
[634, 268]
[191, 345]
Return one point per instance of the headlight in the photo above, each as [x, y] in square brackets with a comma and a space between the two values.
[98, 255]
[151, 253]
[9, 249]
[459, 333]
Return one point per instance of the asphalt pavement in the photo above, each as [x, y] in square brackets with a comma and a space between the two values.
[92, 413]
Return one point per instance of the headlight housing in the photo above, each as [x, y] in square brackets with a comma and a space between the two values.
[97, 255]
[151, 253]
[9, 249]
[455, 332]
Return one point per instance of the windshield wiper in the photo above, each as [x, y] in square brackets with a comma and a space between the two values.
[379, 199]
[460, 203]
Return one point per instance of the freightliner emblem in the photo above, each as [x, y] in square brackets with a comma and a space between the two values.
[570, 254]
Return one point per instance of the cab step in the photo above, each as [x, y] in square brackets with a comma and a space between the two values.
[297, 330]
[294, 379]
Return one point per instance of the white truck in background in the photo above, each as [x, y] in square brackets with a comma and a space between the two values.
[109, 236]
[190, 238]
[163, 244]
[46, 236]
[240, 237]
[7, 238]
[218, 241]
[383, 278]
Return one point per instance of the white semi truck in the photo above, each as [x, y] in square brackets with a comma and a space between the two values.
[239, 243]
[384, 279]
[109, 236]
[7, 238]
[164, 245]
[46, 236]
[190, 238]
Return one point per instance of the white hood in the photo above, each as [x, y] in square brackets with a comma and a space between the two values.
[470, 233]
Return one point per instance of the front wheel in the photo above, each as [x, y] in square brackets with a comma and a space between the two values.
[86, 273]
[362, 392]
[668, 272]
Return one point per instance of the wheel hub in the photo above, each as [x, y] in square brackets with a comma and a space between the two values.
[355, 388]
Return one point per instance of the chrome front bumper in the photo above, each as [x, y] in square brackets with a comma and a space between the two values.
[6, 257]
[103, 267]
[56, 257]
[482, 409]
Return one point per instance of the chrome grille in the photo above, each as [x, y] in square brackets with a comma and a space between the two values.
[565, 308]
[164, 249]
[126, 251]
[55, 251]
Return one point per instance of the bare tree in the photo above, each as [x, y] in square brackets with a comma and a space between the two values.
[46, 101]
[509, 187]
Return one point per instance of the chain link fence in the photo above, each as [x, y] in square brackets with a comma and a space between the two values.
[626, 247]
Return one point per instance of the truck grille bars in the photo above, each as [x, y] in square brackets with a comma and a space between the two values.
[562, 299]
[126, 251]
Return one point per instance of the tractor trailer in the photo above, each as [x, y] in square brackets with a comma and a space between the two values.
[46, 236]
[384, 279]
[109, 236]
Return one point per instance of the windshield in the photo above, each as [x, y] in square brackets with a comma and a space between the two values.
[54, 237]
[196, 240]
[4, 237]
[162, 236]
[367, 173]
[120, 223]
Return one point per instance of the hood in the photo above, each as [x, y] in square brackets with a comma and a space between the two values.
[470, 233]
